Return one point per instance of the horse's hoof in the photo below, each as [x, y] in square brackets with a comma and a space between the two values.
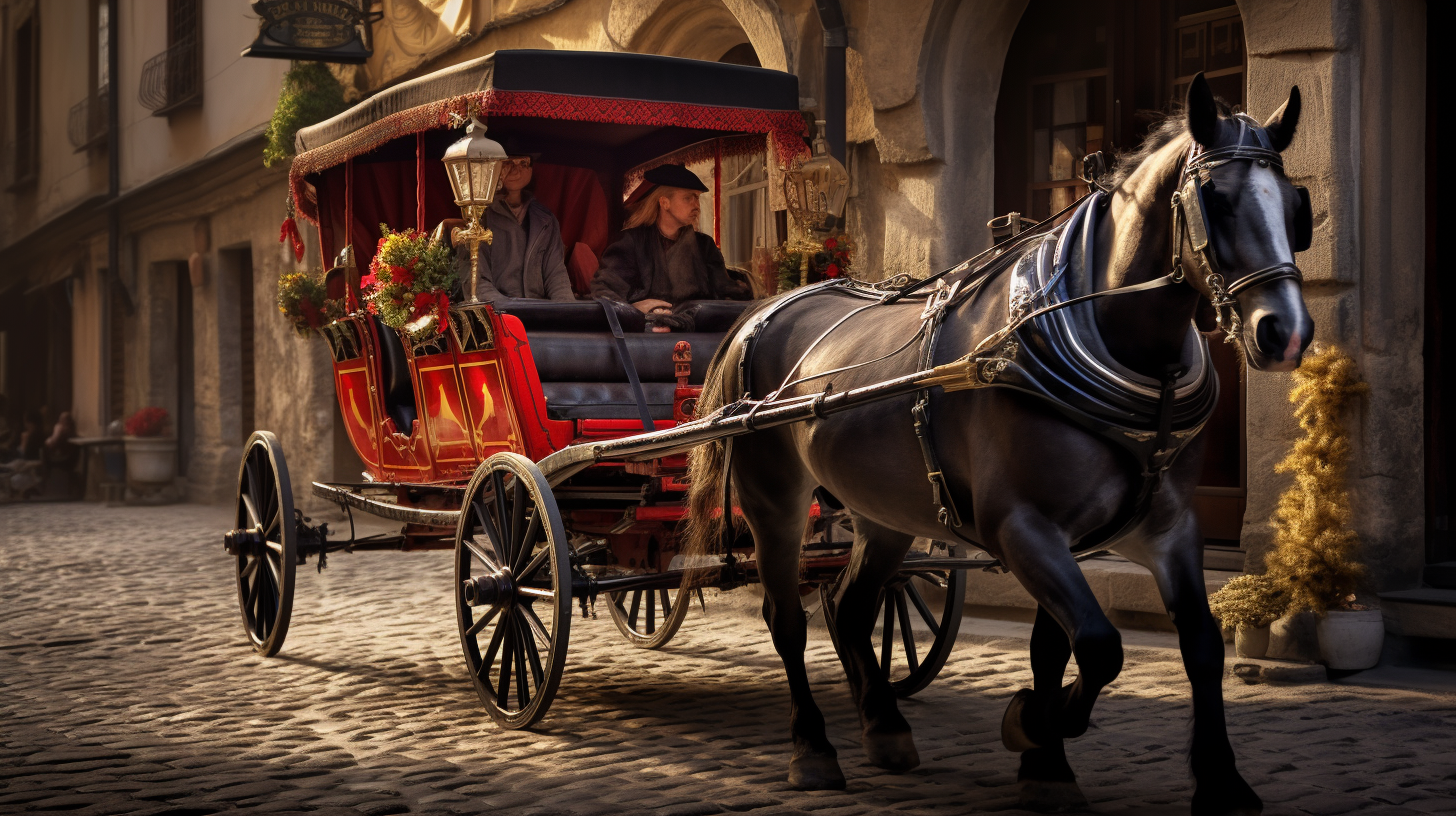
[894, 752]
[1232, 797]
[1051, 797]
[1013, 724]
[815, 772]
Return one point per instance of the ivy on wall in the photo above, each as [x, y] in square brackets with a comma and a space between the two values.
[310, 94]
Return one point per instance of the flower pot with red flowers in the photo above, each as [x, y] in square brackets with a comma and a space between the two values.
[151, 453]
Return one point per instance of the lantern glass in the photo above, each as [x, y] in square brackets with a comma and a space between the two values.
[817, 189]
[473, 164]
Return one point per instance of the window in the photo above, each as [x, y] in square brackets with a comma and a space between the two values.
[173, 78]
[1068, 120]
[1211, 42]
[89, 117]
[26, 114]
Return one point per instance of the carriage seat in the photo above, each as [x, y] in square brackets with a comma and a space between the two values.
[576, 356]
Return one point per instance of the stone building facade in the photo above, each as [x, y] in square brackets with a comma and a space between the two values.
[944, 130]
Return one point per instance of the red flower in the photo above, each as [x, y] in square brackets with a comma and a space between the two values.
[436, 301]
[830, 244]
[368, 282]
[832, 271]
[149, 421]
[402, 275]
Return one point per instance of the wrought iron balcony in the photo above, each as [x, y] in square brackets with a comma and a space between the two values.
[173, 78]
[87, 125]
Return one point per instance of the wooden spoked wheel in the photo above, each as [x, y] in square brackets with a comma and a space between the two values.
[512, 589]
[266, 543]
[913, 636]
[650, 617]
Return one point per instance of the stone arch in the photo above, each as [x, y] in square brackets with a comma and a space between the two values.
[965, 53]
[699, 29]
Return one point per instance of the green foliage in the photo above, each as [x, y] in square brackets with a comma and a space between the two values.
[310, 94]
[303, 299]
[409, 281]
[1248, 601]
[1313, 559]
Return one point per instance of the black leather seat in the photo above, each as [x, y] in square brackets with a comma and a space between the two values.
[576, 356]
[394, 378]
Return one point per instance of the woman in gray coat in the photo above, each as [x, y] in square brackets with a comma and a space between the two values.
[526, 258]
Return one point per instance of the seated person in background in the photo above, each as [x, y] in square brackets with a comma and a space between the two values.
[661, 260]
[526, 258]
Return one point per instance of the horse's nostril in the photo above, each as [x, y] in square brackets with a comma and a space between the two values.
[1270, 336]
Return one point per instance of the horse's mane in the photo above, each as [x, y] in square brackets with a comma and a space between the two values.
[1164, 130]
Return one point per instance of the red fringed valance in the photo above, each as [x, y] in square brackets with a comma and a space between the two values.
[784, 128]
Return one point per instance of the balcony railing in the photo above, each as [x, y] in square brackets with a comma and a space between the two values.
[87, 125]
[173, 78]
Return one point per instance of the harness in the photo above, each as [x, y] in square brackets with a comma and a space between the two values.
[1041, 351]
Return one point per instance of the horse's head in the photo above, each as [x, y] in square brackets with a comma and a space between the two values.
[1240, 221]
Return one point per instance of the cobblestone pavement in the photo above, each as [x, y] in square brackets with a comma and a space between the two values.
[126, 686]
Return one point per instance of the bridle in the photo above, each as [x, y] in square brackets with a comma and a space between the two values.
[1190, 220]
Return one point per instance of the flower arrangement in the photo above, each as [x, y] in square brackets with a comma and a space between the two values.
[409, 282]
[833, 261]
[303, 299]
[1248, 601]
[149, 421]
[1313, 559]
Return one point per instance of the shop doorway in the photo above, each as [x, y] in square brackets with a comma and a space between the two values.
[1088, 75]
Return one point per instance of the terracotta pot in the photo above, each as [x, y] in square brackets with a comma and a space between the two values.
[151, 459]
[1351, 640]
[1251, 641]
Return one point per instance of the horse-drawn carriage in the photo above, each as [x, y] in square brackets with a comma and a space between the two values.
[544, 442]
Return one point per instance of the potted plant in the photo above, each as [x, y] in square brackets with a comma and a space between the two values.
[1314, 560]
[151, 455]
[1248, 604]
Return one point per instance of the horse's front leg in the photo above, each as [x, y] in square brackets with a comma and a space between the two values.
[774, 497]
[1046, 778]
[877, 555]
[1176, 562]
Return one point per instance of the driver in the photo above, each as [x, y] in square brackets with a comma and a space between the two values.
[661, 260]
[526, 258]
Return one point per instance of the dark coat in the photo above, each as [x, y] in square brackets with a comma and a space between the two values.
[635, 268]
[522, 261]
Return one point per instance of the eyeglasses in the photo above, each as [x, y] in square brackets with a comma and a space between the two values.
[519, 162]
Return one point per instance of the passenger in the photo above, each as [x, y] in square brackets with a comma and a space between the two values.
[526, 258]
[661, 260]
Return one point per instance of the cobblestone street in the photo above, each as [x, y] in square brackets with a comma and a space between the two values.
[126, 686]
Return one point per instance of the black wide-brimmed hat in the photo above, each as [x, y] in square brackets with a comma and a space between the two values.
[666, 175]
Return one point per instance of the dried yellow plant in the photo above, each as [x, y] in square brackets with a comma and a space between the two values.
[1313, 559]
[1247, 601]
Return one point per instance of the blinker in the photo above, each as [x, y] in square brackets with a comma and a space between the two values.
[1192, 199]
[1303, 221]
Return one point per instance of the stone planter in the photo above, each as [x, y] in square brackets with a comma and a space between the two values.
[1251, 641]
[1351, 640]
[151, 460]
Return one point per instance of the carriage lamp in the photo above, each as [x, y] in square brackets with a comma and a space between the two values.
[474, 164]
[815, 191]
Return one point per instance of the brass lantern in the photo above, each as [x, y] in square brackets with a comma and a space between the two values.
[815, 191]
[817, 188]
[474, 166]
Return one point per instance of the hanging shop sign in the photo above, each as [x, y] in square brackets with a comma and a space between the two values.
[317, 30]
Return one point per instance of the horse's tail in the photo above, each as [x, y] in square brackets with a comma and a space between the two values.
[707, 463]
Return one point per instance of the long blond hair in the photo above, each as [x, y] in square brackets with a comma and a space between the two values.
[647, 209]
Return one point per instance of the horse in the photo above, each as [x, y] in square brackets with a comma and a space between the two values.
[1020, 476]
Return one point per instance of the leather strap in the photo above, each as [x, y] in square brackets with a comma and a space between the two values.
[627, 365]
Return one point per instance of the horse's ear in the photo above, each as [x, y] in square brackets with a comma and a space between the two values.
[1202, 112]
[1282, 124]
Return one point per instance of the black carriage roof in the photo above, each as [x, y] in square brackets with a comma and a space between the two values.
[595, 74]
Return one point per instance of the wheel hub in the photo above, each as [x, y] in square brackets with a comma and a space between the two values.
[240, 542]
[489, 590]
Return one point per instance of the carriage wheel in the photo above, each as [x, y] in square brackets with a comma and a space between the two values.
[512, 589]
[266, 543]
[650, 617]
[913, 637]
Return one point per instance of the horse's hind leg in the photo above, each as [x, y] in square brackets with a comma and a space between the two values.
[878, 553]
[774, 496]
[1176, 565]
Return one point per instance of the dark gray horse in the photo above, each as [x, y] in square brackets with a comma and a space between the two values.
[1030, 485]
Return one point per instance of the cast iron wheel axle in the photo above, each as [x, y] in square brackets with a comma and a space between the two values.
[238, 542]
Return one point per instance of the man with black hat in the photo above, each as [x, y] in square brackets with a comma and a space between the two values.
[661, 260]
